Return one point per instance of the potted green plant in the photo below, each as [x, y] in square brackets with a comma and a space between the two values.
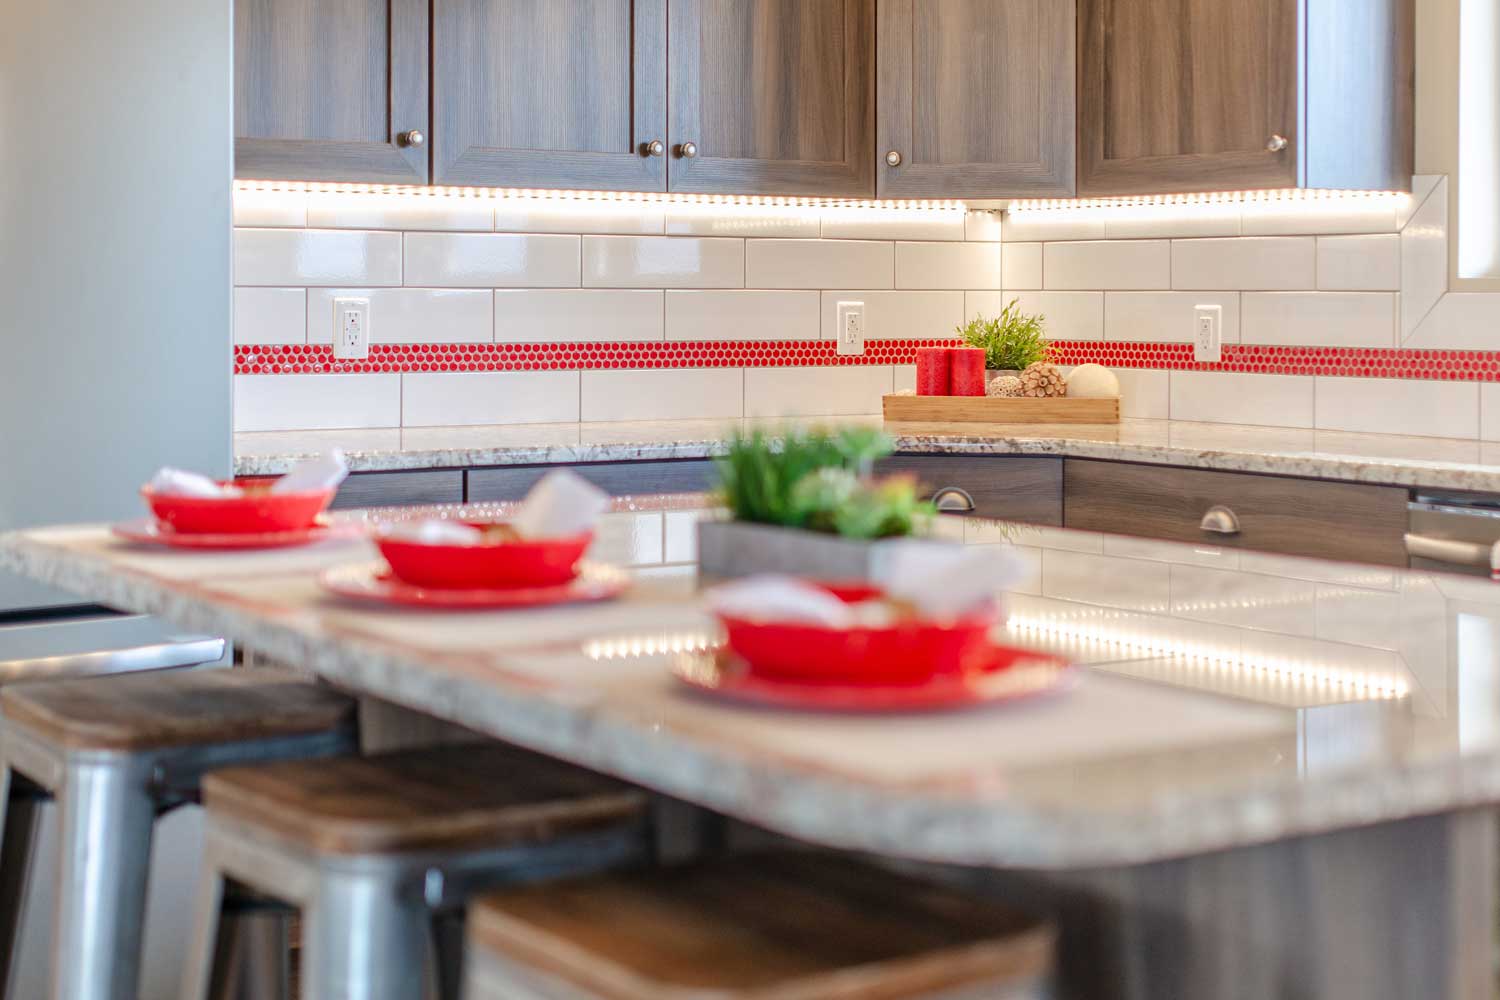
[1012, 341]
[807, 503]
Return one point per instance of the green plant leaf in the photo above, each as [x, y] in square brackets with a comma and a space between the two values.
[1012, 340]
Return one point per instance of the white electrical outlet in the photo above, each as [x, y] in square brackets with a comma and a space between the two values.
[1208, 333]
[351, 328]
[851, 328]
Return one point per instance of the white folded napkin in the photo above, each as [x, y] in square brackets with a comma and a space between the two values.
[325, 472]
[434, 531]
[562, 504]
[947, 581]
[772, 597]
[170, 482]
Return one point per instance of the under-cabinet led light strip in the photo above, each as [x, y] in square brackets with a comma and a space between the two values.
[1280, 196]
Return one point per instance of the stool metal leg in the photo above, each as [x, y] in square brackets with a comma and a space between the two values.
[106, 814]
[19, 809]
[364, 939]
[448, 952]
[210, 955]
[262, 957]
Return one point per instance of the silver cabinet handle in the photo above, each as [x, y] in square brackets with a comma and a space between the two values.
[655, 148]
[413, 138]
[893, 159]
[1220, 520]
[1277, 143]
[953, 500]
[688, 150]
[1448, 550]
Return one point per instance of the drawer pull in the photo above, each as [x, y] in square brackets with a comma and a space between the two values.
[1220, 520]
[953, 500]
[1449, 550]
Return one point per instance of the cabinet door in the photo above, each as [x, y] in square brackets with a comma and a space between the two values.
[976, 98]
[550, 93]
[1187, 95]
[773, 97]
[331, 90]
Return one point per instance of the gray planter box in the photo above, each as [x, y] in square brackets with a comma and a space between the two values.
[728, 549]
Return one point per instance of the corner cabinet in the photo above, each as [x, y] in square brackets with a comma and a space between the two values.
[772, 97]
[331, 89]
[550, 93]
[976, 99]
[1185, 95]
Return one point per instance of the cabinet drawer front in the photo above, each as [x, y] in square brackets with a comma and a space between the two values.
[615, 478]
[400, 489]
[1015, 489]
[1294, 516]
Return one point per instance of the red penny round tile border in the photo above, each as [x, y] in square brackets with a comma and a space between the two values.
[1356, 362]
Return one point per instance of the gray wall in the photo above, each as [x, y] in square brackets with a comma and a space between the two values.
[116, 160]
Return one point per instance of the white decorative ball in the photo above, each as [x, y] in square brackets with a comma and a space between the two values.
[1093, 382]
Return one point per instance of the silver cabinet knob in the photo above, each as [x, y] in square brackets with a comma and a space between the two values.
[1220, 520]
[655, 148]
[413, 138]
[688, 150]
[893, 159]
[1277, 143]
[953, 500]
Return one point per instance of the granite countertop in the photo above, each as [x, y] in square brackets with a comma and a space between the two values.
[1439, 463]
[1226, 698]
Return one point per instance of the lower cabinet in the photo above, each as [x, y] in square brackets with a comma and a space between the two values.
[1304, 517]
[400, 489]
[614, 478]
[1014, 489]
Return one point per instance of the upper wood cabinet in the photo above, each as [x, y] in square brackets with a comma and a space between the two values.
[976, 98]
[550, 93]
[331, 89]
[772, 97]
[1208, 95]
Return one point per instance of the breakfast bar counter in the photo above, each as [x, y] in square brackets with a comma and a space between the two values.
[1265, 767]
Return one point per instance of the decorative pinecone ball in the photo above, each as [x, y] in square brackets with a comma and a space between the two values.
[1042, 380]
[1005, 386]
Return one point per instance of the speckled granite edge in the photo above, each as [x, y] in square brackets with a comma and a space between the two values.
[913, 822]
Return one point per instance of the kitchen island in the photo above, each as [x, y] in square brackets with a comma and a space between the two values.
[1273, 777]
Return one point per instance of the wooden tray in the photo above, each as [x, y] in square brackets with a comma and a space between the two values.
[1002, 410]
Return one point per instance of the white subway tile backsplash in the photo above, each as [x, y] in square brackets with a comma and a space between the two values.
[316, 402]
[1232, 398]
[740, 314]
[270, 315]
[1489, 408]
[819, 264]
[1360, 263]
[1162, 222]
[547, 315]
[893, 224]
[288, 257]
[623, 218]
[350, 210]
[743, 221]
[1399, 406]
[1145, 393]
[1460, 320]
[1021, 266]
[270, 209]
[680, 394]
[1105, 264]
[1284, 264]
[1041, 227]
[491, 260]
[816, 392]
[948, 265]
[906, 378]
[1332, 319]
[1068, 315]
[663, 262]
[454, 399]
[1424, 259]
[1166, 317]
[1316, 218]
[899, 315]
[408, 315]
[984, 226]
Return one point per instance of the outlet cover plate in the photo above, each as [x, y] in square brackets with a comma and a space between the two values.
[1208, 333]
[351, 328]
[850, 327]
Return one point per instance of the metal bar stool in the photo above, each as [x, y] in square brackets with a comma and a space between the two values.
[782, 926]
[373, 849]
[116, 753]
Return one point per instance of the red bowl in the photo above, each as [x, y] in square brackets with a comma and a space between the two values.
[912, 652]
[254, 512]
[546, 562]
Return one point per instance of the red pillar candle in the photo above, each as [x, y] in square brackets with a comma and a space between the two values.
[967, 377]
[933, 371]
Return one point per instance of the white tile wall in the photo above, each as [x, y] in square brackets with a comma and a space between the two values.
[316, 402]
[1468, 320]
[743, 315]
[338, 210]
[1245, 264]
[1424, 259]
[895, 224]
[1069, 315]
[544, 315]
[270, 315]
[1108, 264]
[799, 392]
[595, 218]
[449, 399]
[898, 315]
[1021, 266]
[1166, 317]
[1224, 397]
[819, 264]
[1335, 319]
[408, 315]
[663, 394]
[743, 221]
[663, 262]
[948, 265]
[1407, 406]
[1144, 393]
[1360, 263]
[289, 257]
[491, 260]
[1489, 409]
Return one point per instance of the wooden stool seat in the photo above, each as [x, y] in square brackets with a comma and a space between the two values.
[806, 926]
[174, 709]
[444, 799]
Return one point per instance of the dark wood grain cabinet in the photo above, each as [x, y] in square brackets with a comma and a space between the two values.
[331, 90]
[772, 97]
[976, 98]
[1200, 95]
[550, 93]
